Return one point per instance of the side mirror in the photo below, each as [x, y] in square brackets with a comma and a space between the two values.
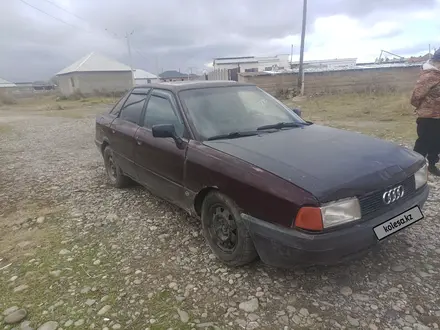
[167, 131]
[297, 111]
[164, 131]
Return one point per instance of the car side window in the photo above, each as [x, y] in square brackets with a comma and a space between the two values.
[161, 111]
[133, 108]
[117, 108]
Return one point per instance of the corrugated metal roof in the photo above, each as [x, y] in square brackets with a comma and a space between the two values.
[94, 62]
[5, 83]
[142, 74]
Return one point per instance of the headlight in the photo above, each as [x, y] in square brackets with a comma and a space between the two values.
[421, 176]
[340, 212]
[329, 215]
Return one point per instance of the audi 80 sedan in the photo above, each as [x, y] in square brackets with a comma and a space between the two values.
[264, 182]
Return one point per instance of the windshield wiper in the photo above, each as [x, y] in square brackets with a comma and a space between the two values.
[281, 125]
[233, 135]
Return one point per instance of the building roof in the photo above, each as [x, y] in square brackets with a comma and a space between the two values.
[329, 61]
[94, 62]
[251, 59]
[142, 74]
[5, 83]
[172, 74]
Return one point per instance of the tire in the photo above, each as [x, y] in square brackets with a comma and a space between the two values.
[231, 242]
[114, 173]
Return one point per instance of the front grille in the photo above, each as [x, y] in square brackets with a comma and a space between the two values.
[373, 202]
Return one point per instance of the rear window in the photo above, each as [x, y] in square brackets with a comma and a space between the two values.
[117, 108]
[133, 108]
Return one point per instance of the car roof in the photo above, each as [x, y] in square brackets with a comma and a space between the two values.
[177, 86]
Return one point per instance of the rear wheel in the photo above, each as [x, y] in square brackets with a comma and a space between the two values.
[225, 231]
[115, 176]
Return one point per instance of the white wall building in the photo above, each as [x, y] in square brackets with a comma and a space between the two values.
[328, 64]
[253, 63]
[95, 73]
[142, 77]
[6, 84]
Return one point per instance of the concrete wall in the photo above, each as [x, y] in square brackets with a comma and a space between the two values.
[344, 81]
[91, 82]
[219, 74]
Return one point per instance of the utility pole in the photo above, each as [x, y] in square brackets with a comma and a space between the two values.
[291, 56]
[127, 36]
[301, 54]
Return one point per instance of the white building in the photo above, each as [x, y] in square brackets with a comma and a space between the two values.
[95, 73]
[329, 64]
[142, 77]
[253, 63]
[6, 84]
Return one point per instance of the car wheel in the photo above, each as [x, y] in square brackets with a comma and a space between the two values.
[114, 173]
[225, 231]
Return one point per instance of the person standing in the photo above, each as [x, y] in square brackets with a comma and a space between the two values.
[426, 99]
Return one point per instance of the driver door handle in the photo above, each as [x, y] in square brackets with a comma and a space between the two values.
[139, 142]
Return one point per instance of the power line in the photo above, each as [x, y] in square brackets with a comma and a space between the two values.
[65, 10]
[113, 34]
[42, 11]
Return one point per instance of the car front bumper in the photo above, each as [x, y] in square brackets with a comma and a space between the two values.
[284, 247]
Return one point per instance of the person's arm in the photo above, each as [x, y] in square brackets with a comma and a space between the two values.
[425, 83]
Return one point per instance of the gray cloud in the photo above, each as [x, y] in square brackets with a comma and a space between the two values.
[169, 34]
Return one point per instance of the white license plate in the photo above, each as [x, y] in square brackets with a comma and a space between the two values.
[399, 222]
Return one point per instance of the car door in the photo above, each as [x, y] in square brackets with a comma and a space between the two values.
[123, 129]
[160, 163]
[104, 121]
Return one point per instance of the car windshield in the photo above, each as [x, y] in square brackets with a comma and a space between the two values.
[217, 111]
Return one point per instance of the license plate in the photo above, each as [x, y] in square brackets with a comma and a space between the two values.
[399, 222]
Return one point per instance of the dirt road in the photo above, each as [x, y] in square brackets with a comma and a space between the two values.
[75, 252]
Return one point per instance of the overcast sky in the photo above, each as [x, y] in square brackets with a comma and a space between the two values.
[183, 34]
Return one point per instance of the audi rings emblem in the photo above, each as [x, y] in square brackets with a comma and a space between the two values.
[393, 195]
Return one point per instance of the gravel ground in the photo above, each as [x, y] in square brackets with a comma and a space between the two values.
[76, 253]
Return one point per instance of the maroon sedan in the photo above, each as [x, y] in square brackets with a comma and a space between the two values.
[264, 182]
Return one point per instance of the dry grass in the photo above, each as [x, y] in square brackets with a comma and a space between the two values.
[7, 99]
[51, 106]
[4, 128]
[387, 116]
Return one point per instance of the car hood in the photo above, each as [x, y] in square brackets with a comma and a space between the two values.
[329, 163]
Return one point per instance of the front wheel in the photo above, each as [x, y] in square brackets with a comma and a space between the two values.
[115, 176]
[225, 231]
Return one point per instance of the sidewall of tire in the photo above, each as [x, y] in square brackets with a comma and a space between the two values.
[244, 251]
[121, 180]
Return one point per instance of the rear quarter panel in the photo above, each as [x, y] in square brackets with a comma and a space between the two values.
[102, 127]
[256, 192]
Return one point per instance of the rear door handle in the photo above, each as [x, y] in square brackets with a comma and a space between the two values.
[113, 131]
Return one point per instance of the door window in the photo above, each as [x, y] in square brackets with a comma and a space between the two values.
[133, 108]
[161, 111]
[117, 108]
